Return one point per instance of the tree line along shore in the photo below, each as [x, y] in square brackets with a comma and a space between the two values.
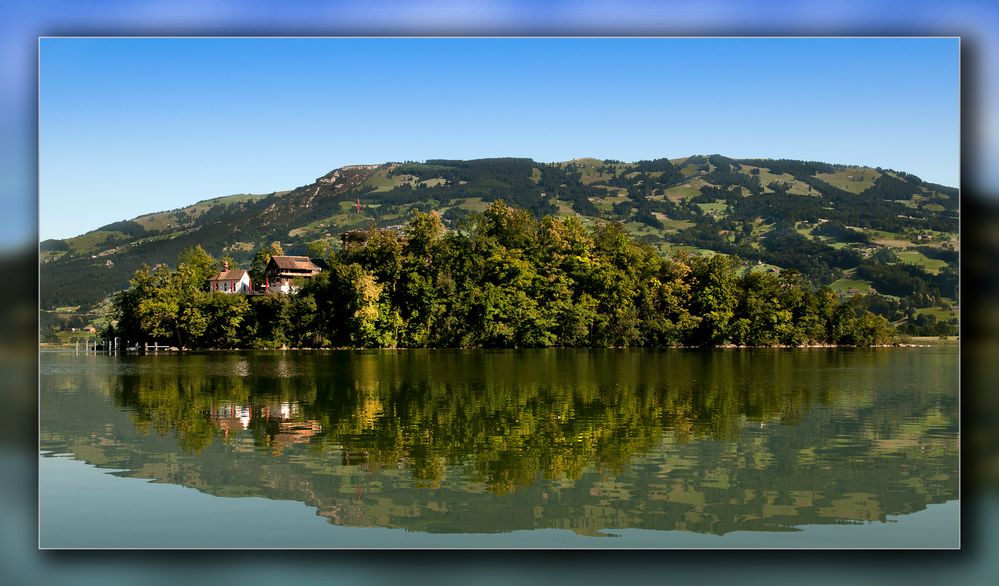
[500, 279]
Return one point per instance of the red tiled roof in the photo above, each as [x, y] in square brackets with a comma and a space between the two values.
[230, 275]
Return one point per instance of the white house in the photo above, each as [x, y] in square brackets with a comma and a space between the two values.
[231, 281]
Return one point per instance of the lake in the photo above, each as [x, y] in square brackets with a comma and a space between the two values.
[816, 448]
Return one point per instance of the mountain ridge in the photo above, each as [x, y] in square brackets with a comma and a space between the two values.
[830, 221]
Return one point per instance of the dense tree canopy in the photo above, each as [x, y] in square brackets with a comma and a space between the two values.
[501, 279]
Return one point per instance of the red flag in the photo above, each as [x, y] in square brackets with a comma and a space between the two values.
[358, 205]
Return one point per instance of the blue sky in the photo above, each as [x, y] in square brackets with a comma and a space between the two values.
[130, 126]
[22, 22]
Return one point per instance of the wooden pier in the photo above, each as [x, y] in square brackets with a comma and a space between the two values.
[117, 345]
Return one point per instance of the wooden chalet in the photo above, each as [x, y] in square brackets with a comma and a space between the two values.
[282, 271]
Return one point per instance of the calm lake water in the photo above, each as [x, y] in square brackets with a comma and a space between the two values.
[538, 448]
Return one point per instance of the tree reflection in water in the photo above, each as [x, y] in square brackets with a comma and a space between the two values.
[499, 440]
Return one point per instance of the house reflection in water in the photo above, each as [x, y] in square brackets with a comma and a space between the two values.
[229, 416]
[280, 420]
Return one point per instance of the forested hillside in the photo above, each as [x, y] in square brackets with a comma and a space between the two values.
[885, 236]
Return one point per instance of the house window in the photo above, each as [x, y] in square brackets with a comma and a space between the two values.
[225, 286]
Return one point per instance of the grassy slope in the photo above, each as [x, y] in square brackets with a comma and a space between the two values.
[852, 179]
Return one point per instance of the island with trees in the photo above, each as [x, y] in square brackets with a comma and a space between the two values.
[501, 278]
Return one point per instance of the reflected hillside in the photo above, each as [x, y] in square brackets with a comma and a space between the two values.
[473, 441]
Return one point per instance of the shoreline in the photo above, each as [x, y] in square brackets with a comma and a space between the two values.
[912, 342]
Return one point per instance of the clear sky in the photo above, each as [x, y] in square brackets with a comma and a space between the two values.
[131, 126]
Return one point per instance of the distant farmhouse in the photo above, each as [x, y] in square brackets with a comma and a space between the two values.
[231, 281]
[282, 271]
